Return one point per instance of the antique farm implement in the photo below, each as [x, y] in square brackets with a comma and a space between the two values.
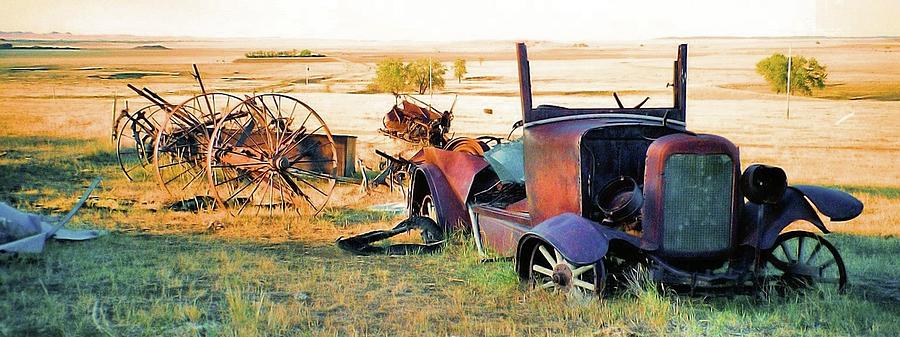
[268, 151]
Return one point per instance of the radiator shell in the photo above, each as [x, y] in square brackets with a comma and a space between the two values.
[689, 195]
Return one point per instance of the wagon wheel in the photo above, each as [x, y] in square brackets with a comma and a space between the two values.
[272, 151]
[549, 270]
[179, 150]
[135, 138]
[802, 259]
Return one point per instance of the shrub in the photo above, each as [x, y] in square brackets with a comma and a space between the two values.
[459, 69]
[806, 74]
[393, 75]
[281, 53]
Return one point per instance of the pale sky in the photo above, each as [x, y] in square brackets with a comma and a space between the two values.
[454, 19]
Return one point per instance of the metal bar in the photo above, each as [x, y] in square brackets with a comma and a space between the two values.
[524, 80]
[62, 222]
[679, 86]
[153, 100]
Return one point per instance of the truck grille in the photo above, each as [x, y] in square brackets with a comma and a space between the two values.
[698, 203]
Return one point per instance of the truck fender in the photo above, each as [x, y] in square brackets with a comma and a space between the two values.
[579, 240]
[428, 178]
[797, 204]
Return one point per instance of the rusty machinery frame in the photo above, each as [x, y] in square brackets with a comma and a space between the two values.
[269, 151]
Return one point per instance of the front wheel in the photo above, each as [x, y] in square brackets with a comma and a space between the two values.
[803, 259]
[549, 270]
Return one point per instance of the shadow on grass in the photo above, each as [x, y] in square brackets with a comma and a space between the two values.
[40, 165]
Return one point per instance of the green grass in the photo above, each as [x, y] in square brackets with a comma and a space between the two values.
[162, 273]
[887, 192]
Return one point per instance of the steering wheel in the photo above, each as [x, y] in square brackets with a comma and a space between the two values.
[487, 139]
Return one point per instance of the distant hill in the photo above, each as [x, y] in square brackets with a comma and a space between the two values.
[10, 46]
[152, 47]
[84, 37]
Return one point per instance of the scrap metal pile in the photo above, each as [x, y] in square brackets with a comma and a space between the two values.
[268, 152]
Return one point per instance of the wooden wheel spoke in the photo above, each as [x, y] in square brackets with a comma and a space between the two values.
[542, 270]
[786, 254]
[815, 251]
[829, 280]
[581, 270]
[547, 255]
[548, 285]
[583, 284]
[826, 265]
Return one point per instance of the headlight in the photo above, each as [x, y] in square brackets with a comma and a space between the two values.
[763, 184]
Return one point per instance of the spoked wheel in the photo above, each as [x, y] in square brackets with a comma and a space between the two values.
[179, 150]
[135, 138]
[273, 152]
[549, 270]
[803, 259]
[428, 210]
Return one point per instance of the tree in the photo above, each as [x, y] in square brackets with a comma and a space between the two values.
[459, 69]
[420, 75]
[806, 74]
[391, 76]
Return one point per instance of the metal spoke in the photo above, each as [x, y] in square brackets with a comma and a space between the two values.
[242, 189]
[192, 180]
[296, 190]
[250, 195]
[173, 164]
[179, 175]
[314, 187]
[246, 173]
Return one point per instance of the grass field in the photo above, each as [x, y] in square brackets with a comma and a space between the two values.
[162, 272]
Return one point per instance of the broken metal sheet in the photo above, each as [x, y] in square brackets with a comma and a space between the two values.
[362, 244]
[30, 232]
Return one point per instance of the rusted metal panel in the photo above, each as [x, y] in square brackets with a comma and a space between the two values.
[553, 167]
[501, 229]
